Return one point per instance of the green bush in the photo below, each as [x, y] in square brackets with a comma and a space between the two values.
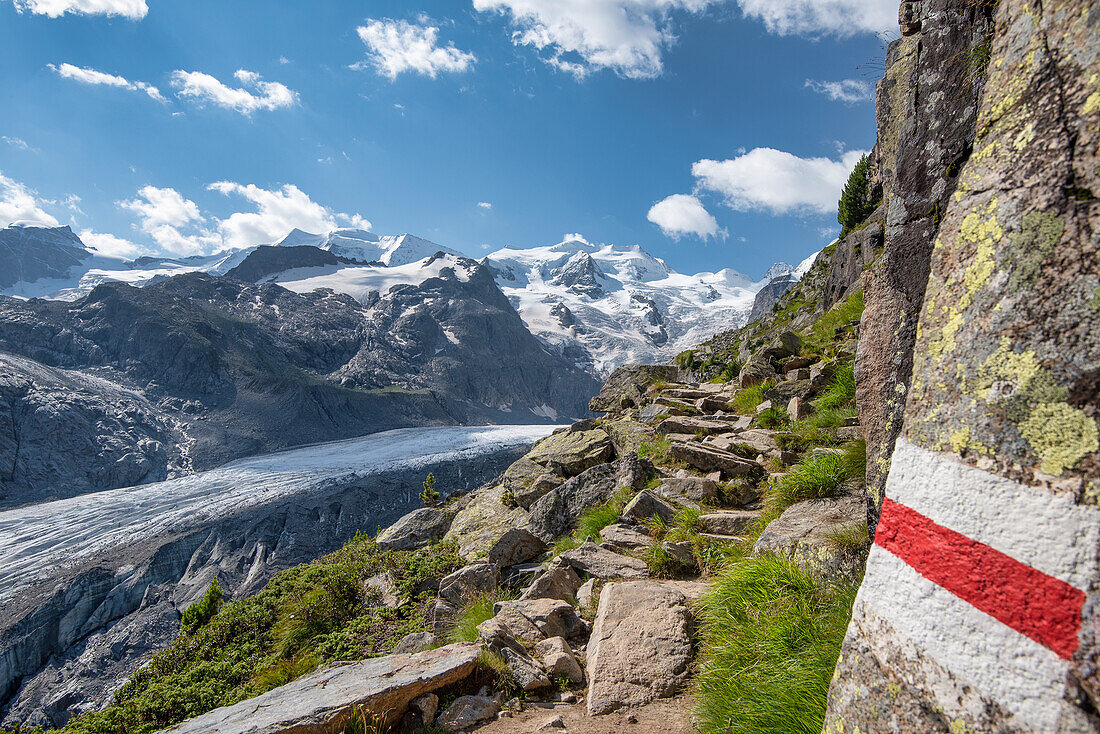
[855, 203]
[200, 612]
[305, 616]
[770, 640]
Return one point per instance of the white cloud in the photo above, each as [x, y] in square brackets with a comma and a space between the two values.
[776, 181]
[682, 214]
[108, 244]
[848, 91]
[19, 143]
[205, 88]
[132, 9]
[397, 46]
[582, 36]
[277, 212]
[487, 206]
[85, 75]
[823, 17]
[164, 213]
[17, 202]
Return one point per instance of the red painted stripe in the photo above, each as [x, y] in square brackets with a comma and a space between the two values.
[1046, 609]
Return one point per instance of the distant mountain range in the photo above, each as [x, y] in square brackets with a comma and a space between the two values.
[597, 306]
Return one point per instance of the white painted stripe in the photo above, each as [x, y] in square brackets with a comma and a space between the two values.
[1022, 676]
[1045, 531]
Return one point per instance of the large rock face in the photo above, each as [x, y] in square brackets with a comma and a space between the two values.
[30, 252]
[926, 111]
[978, 611]
[228, 369]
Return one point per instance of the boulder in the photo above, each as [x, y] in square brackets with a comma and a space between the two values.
[797, 363]
[798, 408]
[652, 412]
[687, 424]
[571, 452]
[529, 674]
[442, 614]
[527, 481]
[624, 537]
[782, 393]
[520, 576]
[627, 386]
[586, 595]
[603, 564]
[469, 711]
[804, 533]
[696, 489]
[763, 405]
[559, 581]
[516, 546]
[741, 493]
[382, 588]
[558, 659]
[415, 642]
[708, 459]
[482, 521]
[557, 512]
[728, 522]
[552, 617]
[755, 371]
[416, 529]
[645, 505]
[641, 645]
[786, 344]
[327, 697]
[470, 582]
[508, 628]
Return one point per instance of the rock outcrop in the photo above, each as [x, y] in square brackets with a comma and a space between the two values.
[978, 608]
[378, 688]
[219, 368]
[926, 113]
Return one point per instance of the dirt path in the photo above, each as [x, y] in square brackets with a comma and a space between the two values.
[667, 716]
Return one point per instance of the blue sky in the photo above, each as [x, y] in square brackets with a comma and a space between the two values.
[714, 133]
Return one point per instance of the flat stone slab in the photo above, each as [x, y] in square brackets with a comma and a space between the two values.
[640, 648]
[802, 533]
[729, 522]
[706, 458]
[604, 564]
[320, 701]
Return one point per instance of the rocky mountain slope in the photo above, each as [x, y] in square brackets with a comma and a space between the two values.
[598, 306]
[30, 251]
[92, 586]
[218, 368]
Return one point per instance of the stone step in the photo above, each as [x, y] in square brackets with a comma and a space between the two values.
[715, 538]
[728, 522]
[708, 458]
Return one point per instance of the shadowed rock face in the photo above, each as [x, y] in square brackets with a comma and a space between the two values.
[770, 294]
[926, 111]
[33, 253]
[227, 369]
[978, 610]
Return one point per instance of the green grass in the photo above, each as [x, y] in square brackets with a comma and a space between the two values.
[464, 627]
[746, 399]
[773, 417]
[306, 616]
[770, 640]
[852, 537]
[822, 334]
[841, 390]
[595, 519]
[659, 451]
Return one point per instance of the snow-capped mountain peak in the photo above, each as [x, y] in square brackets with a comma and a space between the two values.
[367, 247]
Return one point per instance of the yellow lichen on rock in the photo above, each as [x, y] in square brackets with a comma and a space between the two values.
[1061, 434]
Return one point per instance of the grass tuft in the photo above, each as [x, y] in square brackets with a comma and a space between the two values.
[773, 417]
[841, 390]
[473, 613]
[771, 636]
[746, 399]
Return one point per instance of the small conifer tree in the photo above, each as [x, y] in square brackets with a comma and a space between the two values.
[855, 200]
[429, 496]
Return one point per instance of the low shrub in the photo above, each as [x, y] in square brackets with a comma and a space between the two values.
[773, 417]
[200, 612]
